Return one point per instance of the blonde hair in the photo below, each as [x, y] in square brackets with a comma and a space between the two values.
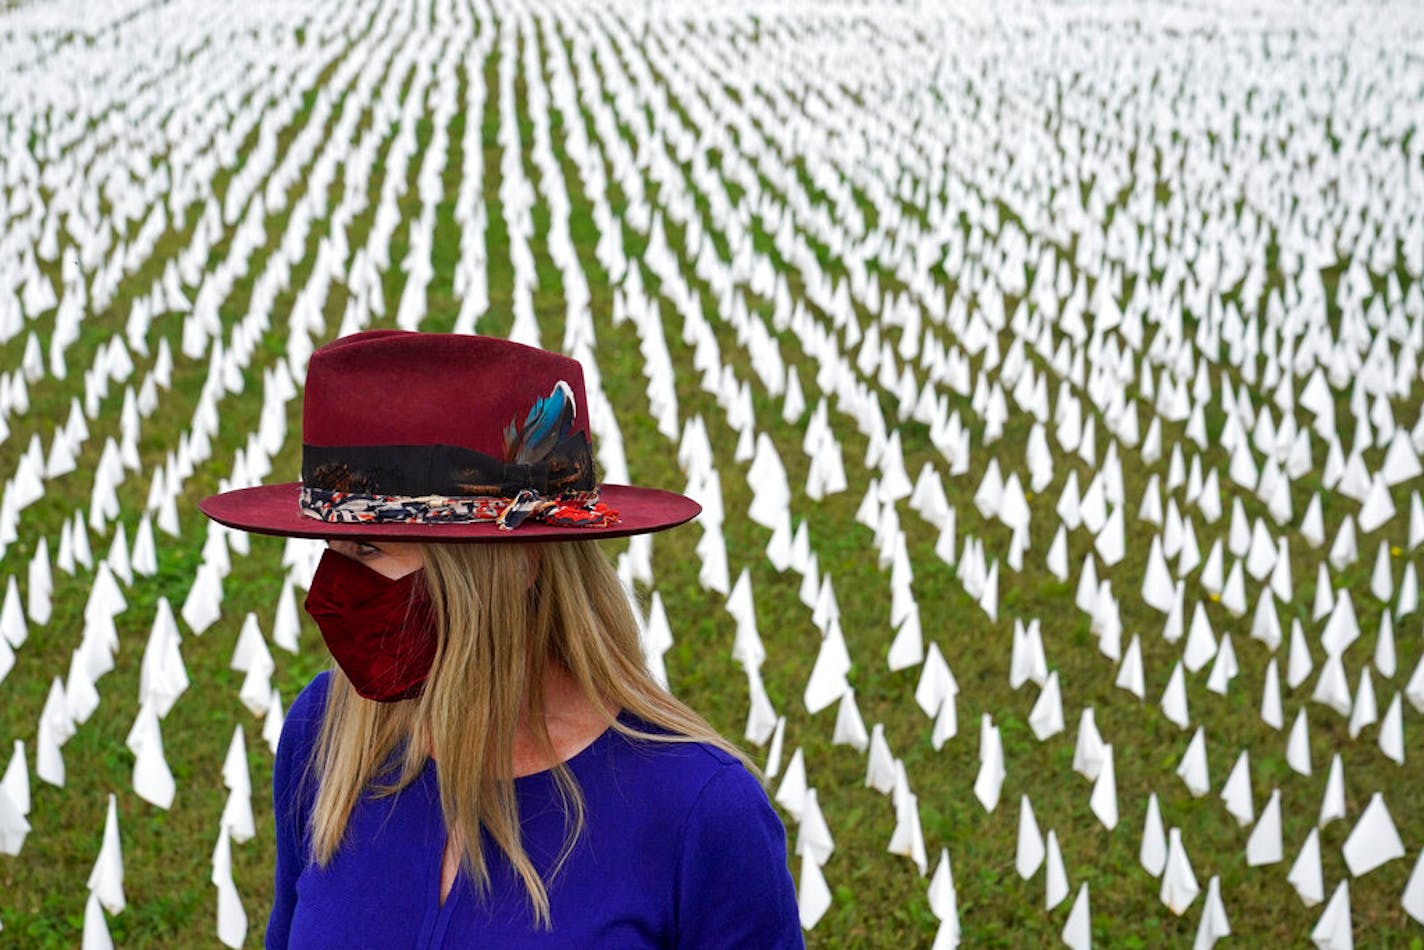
[497, 631]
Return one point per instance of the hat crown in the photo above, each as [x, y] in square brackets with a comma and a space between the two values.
[401, 387]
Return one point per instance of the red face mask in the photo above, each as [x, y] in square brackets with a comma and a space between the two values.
[380, 631]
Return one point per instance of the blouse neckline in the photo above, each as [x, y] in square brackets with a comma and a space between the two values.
[583, 753]
[580, 756]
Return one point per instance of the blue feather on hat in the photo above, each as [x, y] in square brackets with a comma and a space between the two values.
[549, 420]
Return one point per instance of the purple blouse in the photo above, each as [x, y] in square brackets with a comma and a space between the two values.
[680, 848]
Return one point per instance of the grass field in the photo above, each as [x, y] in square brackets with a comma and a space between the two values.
[991, 141]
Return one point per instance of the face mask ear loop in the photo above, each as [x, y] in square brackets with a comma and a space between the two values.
[418, 596]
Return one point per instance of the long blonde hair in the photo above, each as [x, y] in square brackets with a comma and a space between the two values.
[497, 630]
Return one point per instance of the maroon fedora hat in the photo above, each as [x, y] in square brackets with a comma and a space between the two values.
[410, 436]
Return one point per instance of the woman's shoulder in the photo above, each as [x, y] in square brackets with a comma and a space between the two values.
[725, 845]
[687, 752]
[304, 715]
[682, 771]
[294, 751]
[312, 699]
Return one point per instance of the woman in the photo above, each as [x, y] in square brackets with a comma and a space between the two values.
[488, 762]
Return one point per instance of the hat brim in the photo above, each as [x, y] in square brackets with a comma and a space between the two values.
[274, 509]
